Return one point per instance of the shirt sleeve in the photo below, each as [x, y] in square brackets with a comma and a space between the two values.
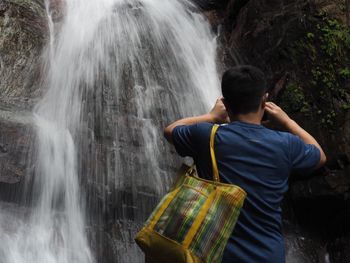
[184, 140]
[189, 139]
[304, 157]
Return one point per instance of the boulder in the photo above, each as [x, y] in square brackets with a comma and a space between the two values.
[15, 141]
[23, 34]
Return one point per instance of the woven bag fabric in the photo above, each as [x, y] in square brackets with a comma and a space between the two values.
[194, 221]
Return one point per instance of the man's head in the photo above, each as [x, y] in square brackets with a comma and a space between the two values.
[244, 89]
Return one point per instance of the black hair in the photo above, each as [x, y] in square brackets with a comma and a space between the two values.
[242, 88]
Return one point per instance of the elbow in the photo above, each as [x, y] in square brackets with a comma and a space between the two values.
[168, 134]
[323, 159]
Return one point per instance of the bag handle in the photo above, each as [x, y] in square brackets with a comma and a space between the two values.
[216, 176]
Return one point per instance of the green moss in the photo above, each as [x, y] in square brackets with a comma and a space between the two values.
[322, 56]
[342, 6]
[293, 99]
[345, 73]
[310, 35]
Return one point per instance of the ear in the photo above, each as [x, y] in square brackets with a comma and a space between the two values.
[224, 101]
[264, 100]
[226, 104]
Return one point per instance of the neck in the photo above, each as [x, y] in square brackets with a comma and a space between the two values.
[253, 118]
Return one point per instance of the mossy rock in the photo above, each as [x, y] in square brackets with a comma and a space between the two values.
[321, 58]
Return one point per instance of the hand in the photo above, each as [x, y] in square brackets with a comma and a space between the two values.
[219, 112]
[277, 116]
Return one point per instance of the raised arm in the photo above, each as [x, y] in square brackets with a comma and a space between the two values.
[217, 115]
[277, 115]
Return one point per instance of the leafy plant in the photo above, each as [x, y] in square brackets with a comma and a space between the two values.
[294, 99]
[323, 57]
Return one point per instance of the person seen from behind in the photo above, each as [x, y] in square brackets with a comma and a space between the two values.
[256, 158]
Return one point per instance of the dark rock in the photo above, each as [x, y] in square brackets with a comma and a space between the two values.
[23, 34]
[15, 141]
[210, 4]
[23, 30]
[261, 33]
[115, 242]
[335, 183]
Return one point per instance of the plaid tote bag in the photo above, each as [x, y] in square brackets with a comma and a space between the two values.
[194, 221]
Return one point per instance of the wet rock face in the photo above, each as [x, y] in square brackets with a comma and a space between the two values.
[15, 139]
[23, 33]
[23, 30]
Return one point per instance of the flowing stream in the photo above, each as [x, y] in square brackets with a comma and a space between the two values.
[117, 71]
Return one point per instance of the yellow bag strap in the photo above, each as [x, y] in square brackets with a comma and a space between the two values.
[199, 220]
[163, 207]
[216, 177]
[208, 203]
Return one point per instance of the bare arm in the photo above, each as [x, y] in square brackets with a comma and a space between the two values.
[217, 115]
[277, 115]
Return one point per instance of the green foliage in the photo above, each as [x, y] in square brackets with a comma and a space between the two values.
[294, 99]
[323, 58]
[329, 118]
[345, 73]
[310, 35]
[342, 6]
[335, 37]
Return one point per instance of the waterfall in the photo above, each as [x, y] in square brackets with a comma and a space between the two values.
[118, 71]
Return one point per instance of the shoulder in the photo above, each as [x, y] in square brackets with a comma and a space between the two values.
[188, 139]
[194, 129]
[279, 139]
[280, 136]
[203, 127]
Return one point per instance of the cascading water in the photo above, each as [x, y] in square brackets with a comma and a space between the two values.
[118, 71]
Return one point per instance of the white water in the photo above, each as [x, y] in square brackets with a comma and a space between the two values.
[118, 71]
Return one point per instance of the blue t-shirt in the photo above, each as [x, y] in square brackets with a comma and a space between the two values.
[259, 160]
